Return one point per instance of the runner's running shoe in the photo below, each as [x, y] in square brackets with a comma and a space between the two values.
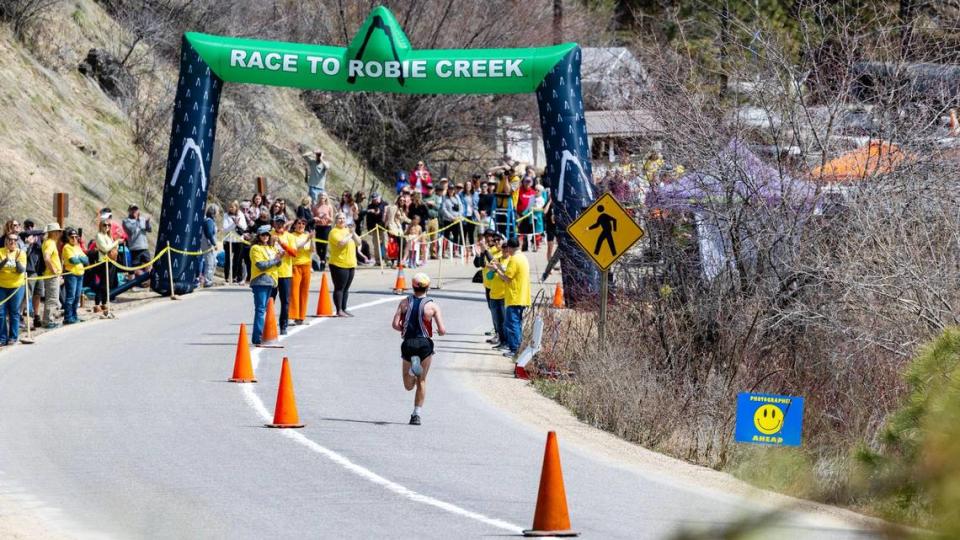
[414, 419]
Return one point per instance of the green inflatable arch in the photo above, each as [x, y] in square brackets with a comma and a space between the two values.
[379, 59]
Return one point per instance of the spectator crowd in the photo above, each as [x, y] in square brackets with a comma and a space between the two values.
[43, 270]
[273, 247]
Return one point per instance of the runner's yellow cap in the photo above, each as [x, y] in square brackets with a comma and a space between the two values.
[421, 280]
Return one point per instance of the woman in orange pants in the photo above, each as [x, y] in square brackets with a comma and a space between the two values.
[300, 284]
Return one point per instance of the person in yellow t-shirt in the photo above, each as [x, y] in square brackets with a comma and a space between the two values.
[13, 277]
[74, 258]
[284, 240]
[343, 242]
[51, 274]
[492, 284]
[265, 262]
[515, 273]
[300, 285]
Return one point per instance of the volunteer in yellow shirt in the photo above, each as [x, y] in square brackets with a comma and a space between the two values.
[51, 274]
[284, 240]
[265, 262]
[515, 273]
[493, 285]
[300, 285]
[73, 260]
[13, 277]
[343, 242]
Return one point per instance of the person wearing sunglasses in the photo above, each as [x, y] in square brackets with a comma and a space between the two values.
[265, 262]
[13, 277]
[74, 259]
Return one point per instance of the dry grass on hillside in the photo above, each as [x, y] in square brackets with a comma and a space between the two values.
[60, 132]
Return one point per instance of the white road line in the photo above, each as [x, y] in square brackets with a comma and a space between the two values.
[257, 404]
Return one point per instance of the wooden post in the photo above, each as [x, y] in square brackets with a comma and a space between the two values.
[61, 207]
[173, 292]
[262, 186]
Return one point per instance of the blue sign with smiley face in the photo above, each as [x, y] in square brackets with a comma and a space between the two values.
[769, 419]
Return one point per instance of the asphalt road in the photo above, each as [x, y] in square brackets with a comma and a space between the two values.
[128, 429]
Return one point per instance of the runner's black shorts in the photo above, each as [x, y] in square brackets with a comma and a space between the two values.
[420, 346]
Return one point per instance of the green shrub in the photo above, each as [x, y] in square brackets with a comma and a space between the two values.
[914, 471]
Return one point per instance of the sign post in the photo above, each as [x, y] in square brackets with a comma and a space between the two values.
[605, 231]
[61, 207]
[604, 276]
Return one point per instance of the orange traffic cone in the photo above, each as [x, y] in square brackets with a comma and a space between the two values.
[401, 283]
[285, 413]
[242, 368]
[551, 517]
[558, 297]
[270, 330]
[324, 301]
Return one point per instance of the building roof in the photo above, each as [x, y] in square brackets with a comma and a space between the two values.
[611, 77]
[621, 123]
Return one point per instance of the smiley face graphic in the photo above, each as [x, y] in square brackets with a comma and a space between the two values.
[768, 419]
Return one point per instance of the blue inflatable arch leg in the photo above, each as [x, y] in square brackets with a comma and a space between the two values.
[188, 171]
[568, 169]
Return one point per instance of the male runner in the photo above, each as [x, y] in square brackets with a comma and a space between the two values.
[414, 319]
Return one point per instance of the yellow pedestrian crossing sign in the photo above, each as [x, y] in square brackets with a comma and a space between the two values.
[605, 231]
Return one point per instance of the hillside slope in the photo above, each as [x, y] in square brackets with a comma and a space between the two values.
[60, 132]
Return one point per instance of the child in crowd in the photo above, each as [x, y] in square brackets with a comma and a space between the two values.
[413, 236]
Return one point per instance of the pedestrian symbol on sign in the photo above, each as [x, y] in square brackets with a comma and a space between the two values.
[605, 231]
[607, 225]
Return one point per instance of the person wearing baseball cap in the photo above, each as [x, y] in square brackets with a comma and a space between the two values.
[493, 286]
[74, 260]
[515, 273]
[53, 267]
[414, 319]
[265, 260]
[286, 242]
